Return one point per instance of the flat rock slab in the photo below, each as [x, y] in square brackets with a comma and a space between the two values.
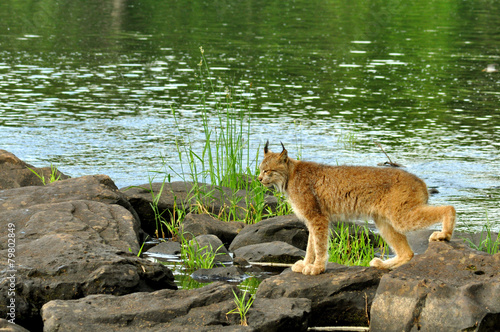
[99, 188]
[204, 309]
[448, 288]
[341, 296]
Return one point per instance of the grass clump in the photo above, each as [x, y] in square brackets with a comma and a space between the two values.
[196, 257]
[243, 304]
[353, 246]
[53, 177]
[487, 241]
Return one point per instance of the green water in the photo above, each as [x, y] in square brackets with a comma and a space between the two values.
[90, 85]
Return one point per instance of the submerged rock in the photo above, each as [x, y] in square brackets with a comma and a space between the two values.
[449, 288]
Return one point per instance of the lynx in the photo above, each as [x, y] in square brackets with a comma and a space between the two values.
[395, 199]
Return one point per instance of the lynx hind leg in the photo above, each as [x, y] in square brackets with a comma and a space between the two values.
[426, 215]
[397, 241]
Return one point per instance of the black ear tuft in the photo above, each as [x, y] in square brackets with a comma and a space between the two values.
[266, 147]
[283, 146]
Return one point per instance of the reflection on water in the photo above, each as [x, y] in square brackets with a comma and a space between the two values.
[90, 85]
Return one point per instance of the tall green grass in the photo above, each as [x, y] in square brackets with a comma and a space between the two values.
[354, 246]
[225, 157]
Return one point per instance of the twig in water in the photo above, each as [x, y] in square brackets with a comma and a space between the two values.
[390, 163]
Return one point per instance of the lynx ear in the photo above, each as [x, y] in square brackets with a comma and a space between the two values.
[284, 154]
[266, 147]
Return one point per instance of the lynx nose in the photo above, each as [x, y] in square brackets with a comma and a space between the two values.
[260, 178]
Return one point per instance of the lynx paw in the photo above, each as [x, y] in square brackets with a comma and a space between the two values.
[298, 266]
[378, 263]
[313, 270]
[439, 236]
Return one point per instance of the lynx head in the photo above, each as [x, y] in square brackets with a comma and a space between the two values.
[274, 169]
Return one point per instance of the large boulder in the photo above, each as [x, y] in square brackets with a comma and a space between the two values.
[204, 309]
[187, 196]
[16, 173]
[341, 296]
[69, 239]
[287, 229]
[448, 288]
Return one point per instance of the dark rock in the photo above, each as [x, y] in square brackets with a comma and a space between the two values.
[203, 309]
[5, 326]
[232, 273]
[200, 224]
[68, 247]
[187, 197]
[212, 243]
[171, 248]
[287, 229]
[276, 252]
[449, 288]
[341, 296]
[99, 188]
[16, 173]
[283, 314]
[156, 311]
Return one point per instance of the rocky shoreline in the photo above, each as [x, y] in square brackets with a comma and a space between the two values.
[71, 265]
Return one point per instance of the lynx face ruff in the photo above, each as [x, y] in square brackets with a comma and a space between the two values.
[396, 200]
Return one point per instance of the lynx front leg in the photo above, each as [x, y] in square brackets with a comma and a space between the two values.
[318, 232]
[309, 259]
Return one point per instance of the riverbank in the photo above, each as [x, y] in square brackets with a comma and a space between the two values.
[74, 265]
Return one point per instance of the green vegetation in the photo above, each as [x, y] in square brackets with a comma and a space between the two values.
[54, 175]
[243, 304]
[196, 257]
[487, 241]
[353, 246]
